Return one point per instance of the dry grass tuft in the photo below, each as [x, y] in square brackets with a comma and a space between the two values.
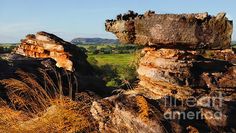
[59, 117]
[26, 94]
[29, 107]
[143, 108]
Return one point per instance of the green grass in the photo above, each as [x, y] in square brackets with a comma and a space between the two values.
[114, 59]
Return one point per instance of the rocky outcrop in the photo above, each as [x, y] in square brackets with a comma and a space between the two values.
[186, 72]
[46, 45]
[194, 31]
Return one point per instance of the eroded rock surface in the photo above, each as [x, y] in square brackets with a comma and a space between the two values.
[173, 30]
[128, 114]
[178, 67]
[46, 45]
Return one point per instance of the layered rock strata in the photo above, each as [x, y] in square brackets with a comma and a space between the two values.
[182, 73]
[46, 45]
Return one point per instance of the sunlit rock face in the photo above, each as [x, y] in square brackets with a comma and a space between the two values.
[181, 73]
[173, 30]
[46, 45]
[184, 56]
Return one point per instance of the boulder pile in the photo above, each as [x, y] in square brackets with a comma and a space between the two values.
[180, 65]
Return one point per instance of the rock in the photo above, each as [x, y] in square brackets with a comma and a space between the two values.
[187, 60]
[164, 65]
[178, 67]
[156, 90]
[129, 114]
[218, 110]
[46, 45]
[217, 81]
[227, 54]
[192, 31]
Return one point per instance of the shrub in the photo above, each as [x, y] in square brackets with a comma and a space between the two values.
[112, 83]
[92, 60]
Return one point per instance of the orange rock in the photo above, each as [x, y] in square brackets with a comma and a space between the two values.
[46, 45]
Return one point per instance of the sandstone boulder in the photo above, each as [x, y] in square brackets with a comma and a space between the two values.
[193, 31]
[46, 45]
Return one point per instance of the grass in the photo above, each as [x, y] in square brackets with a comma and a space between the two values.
[34, 108]
[117, 70]
[63, 115]
[113, 59]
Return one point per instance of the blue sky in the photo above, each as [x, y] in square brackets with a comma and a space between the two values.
[85, 18]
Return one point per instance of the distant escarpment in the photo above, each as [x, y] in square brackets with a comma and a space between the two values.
[80, 40]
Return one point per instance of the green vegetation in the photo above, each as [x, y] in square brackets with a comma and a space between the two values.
[117, 70]
[7, 47]
[110, 48]
[115, 64]
[234, 46]
[112, 59]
